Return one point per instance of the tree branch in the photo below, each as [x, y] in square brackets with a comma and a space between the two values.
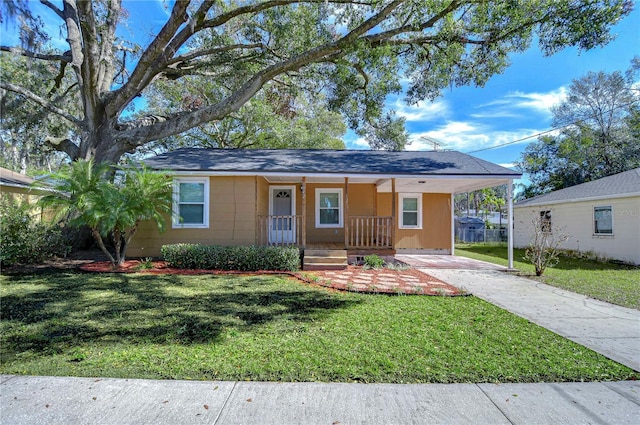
[63, 144]
[66, 57]
[182, 121]
[53, 7]
[41, 101]
[148, 66]
[107, 69]
[199, 53]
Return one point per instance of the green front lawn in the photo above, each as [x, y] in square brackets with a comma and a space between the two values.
[614, 283]
[271, 328]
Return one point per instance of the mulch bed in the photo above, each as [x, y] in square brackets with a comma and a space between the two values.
[353, 279]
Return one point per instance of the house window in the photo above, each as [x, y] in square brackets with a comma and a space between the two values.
[545, 221]
[329, 208]
[603, 220]
[410, 211]
[191, 203]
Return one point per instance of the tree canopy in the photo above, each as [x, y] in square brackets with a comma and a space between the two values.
[273, 118]
[352, 52]
[600, 134]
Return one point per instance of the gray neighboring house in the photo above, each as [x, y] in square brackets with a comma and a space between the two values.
[602, 216]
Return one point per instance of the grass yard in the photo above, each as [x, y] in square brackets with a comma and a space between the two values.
[271, 328]
[613, 283]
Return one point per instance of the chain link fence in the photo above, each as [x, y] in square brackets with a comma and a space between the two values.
[481, 235]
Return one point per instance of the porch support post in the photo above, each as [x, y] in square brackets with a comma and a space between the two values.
[258, 234]
[303, 189]
[510, 222]
[453, 224]
[346, 212]
[394, 223]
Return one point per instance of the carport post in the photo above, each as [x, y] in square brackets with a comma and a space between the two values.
[510, 222]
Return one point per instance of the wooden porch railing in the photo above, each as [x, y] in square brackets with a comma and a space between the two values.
[370, 232]
[364, 231]
[280, 230]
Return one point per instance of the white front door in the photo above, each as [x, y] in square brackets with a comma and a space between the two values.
[282, 209]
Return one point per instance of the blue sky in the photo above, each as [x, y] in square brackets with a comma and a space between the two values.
[512, 106]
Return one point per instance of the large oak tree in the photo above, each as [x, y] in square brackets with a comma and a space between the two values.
[353, 52]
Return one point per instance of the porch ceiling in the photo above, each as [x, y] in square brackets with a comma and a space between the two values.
[439, 184]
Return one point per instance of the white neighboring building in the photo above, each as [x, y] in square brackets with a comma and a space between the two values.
[602, 216]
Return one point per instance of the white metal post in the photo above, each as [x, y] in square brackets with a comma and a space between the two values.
[510, 221]
[453, 232]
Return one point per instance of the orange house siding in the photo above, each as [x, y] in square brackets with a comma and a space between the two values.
[436, 222]
[235, 203]
[232, 220]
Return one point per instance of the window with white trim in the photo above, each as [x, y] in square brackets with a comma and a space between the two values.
[191, 202]
[603, 220]
[329, 208]
[410, 211]
[545, 221]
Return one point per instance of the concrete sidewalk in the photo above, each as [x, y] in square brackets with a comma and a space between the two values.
[608, 329]
[55, 400]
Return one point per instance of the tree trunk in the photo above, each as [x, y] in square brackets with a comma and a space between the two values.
[98, 238]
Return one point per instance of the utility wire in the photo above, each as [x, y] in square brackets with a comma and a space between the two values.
[551, 130]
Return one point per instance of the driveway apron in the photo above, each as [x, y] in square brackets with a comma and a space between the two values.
[610, 330]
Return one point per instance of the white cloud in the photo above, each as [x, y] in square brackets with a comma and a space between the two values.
[422, 111]
[468, 136]
[519, 105]
[496, 114]
[539, 102]
[357, 143]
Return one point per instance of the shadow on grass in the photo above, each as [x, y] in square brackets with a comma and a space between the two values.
[50, 313]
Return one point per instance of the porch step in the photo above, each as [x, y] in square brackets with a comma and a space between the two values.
[325, 259]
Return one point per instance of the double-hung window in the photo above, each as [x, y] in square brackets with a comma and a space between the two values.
[545, 221]
[410, 211]
[603, 220]
[329, 208]
[191, 202]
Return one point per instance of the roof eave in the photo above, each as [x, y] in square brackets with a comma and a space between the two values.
[525, 204]
[349, 175]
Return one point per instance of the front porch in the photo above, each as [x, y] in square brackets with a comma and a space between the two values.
[369, 233]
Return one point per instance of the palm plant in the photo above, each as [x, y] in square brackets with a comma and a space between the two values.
[86, 195]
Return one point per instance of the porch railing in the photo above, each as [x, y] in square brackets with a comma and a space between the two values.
[364, 231]
[279, 230]
[370, 232]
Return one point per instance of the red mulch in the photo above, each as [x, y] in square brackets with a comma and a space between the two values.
[159, 267]
[349, 279]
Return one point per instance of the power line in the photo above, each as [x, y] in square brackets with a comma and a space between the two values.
[550, 131]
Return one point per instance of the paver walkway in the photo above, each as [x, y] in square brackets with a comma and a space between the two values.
[358, 279]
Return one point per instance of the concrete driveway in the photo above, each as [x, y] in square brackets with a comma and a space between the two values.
[610, 330]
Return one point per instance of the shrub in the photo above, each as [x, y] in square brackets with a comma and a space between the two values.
[24, 240]
[373, 261]
[242, 258]
[544, 249]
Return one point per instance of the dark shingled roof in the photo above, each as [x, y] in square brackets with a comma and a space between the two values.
[297, 161]
[11, 178]
[622, 184]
